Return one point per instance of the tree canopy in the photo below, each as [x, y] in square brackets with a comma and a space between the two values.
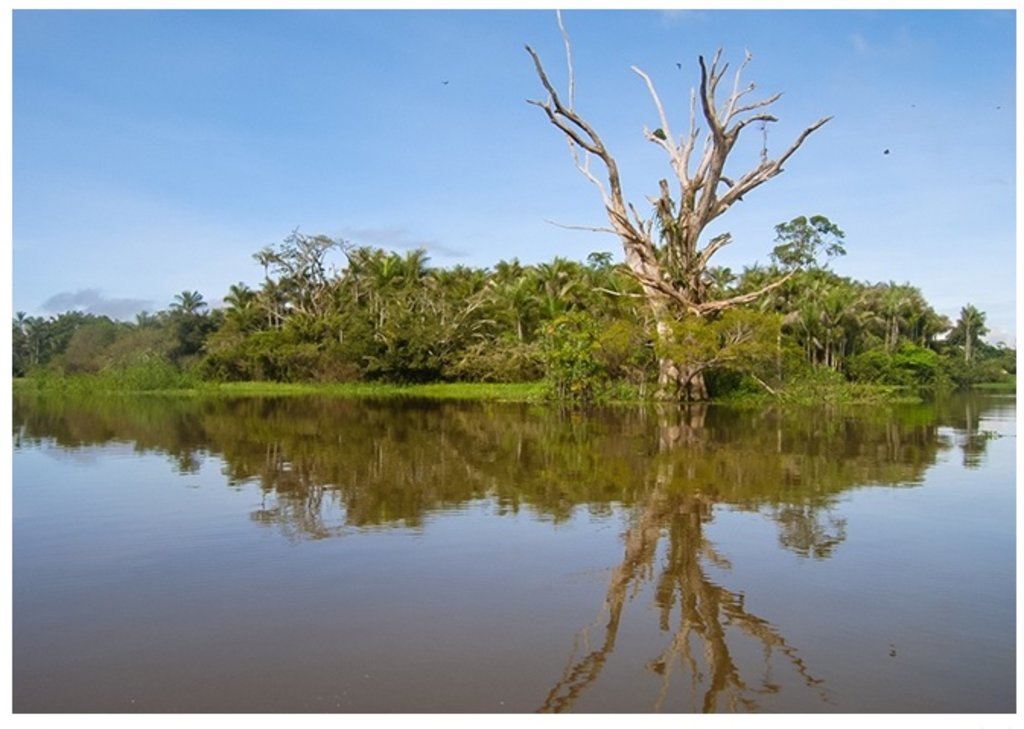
[584, 327]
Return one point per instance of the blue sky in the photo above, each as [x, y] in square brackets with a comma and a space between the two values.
[156, 151]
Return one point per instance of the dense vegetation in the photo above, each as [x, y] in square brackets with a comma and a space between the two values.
[582, 328]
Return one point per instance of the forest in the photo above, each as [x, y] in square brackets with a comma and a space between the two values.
[327, 311]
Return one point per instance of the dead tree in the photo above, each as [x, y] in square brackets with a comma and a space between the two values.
[663, 251]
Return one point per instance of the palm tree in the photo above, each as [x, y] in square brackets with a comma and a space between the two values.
[718, 280]
[239, 297]
[969, 328]
[38, 338]
[241, 301]
[839, 312]
[144, 320]
[188, 303]
[516, 301]
[559, 281]
[415, 266]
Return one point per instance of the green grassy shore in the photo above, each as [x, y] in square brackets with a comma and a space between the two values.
[507, 392]
[105, 385]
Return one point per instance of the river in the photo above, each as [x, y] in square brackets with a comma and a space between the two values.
[375, 556]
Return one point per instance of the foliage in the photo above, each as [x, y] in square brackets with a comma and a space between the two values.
[968, 330]
[147, 374]
[571, 367]
[502, 360]
[910, 365]
[801, 241]
[966, 374]
[582, 328]
[87, 348]
[819, 386]
[625, 351]
[741, 340]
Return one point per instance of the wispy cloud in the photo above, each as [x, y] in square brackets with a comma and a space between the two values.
[899, 44]
[675, 17]
[1002, 336]
[859, 43]
[399, 239]
[92, 301]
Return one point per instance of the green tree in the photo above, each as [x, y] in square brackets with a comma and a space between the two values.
[189, 325]
[87, 348]
[188, 303]
[241, 301]
[802, 241]
[968, 330]
[20, 352]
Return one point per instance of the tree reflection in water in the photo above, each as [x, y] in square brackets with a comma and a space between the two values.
[698, 642]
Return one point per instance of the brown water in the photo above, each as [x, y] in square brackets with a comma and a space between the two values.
[327, 555]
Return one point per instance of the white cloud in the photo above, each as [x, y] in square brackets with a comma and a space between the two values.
[92, 301]
[398, 239]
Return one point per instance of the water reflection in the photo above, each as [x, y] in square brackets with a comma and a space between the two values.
[695, 613]
[326, 467]
[368, 463]
[665, 545]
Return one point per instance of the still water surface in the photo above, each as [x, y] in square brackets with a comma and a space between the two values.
[330, 555]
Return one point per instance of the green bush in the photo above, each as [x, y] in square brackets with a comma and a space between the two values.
[966, 374]
[875, 365]
[571, 367]
[147, 374]
[908, 366]
[625, 351]
[501, 360]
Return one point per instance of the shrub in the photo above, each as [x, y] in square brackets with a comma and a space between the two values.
[501, 360]
[908, 366]
[571, 367]
[148, 373]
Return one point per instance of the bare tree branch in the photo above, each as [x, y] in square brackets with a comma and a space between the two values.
[668, 263]
[716, 244]
[568, 58]
[592, 229]
[722, 304]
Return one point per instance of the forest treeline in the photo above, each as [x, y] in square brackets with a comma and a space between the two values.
[327, 311]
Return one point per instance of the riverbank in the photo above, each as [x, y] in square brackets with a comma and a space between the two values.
[85, 384]
[798, 394]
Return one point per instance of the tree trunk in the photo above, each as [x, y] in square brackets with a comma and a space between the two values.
[679, 381]
[693, 387]
[668, 380]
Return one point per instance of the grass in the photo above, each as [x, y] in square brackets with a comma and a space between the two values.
[508, 392]
[1009, 385]
[85, 384]
[178, 385]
